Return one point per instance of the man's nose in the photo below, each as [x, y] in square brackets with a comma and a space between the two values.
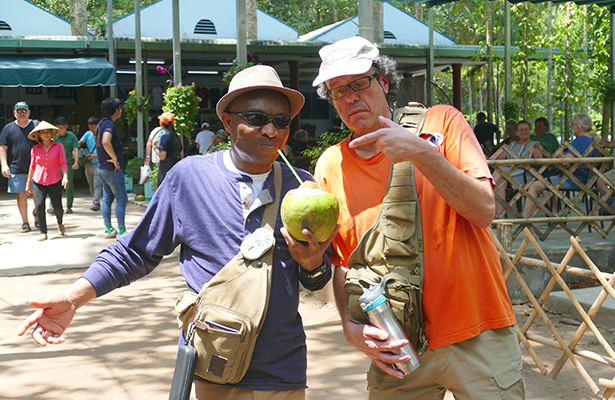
[270, 130]
[351, 95]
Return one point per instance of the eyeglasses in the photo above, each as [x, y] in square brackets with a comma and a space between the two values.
[258, 118]
[358, 85]
[22, 111]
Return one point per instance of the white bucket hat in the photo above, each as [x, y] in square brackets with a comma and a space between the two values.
[350, 56]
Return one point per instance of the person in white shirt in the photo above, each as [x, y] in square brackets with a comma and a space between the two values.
[203, 138]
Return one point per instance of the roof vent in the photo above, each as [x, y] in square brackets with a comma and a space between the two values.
[4, 26]
[205, 27]
[389, 35]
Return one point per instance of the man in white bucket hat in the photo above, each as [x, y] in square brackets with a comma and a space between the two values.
[209, 205]
[471, 346]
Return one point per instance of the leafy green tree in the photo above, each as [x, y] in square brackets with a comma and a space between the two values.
[309, 15]
[96, 10]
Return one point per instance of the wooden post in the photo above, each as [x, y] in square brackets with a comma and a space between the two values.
[504, 235]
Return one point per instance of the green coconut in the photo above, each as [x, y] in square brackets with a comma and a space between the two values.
[309, 208]
[140, 198]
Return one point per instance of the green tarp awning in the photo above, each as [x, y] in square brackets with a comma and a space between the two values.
[27, 71]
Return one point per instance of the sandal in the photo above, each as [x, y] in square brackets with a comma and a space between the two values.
[35, 218]
[25, 228]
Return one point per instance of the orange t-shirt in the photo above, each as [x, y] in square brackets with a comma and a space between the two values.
[464, 292]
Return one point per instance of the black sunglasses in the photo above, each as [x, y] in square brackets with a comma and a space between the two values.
[258, 118]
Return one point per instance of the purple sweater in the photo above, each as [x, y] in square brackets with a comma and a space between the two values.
[198, 207]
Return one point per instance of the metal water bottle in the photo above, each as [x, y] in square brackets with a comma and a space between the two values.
[377, 309]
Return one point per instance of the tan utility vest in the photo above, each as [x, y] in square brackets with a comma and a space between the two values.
[393, 247]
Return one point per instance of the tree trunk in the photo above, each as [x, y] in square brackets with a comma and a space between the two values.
[251, 22]
[419, 11]
[526, 61]
[549, 64]
[78, 18]
[585, 63]
[333, 15]
[606, 120]
[378, 22]
[489, 65]
[568, 79]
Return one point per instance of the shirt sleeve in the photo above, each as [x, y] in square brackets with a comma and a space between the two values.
[164, 142]
[141, 250]
[32, 158]
[62, 155]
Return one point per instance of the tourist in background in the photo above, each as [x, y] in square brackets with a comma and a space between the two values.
[522, 147]
[47, 175]
[15, 158]
[170, 149]
[203, 138]
[109, 152]
[91, 166]
[543, 136]
[71, 149]
[582, 127]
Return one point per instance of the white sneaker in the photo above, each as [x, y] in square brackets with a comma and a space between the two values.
[110, 234]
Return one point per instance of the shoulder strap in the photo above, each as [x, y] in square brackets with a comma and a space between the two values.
[271, 210]
[237, 264]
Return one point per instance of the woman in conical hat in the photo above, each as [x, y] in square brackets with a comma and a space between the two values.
[47, 175]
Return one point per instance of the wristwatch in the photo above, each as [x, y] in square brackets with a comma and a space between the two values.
[315, 273]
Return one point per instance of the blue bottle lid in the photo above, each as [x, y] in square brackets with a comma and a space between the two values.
[373, 297]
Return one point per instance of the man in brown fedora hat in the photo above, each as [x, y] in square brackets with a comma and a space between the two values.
[468, 343]
[15, 157]
[209, 205]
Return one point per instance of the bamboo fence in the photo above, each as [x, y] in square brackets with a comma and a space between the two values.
[569, 350]
[537, 170]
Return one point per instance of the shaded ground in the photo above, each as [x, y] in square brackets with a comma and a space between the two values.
[122, 346]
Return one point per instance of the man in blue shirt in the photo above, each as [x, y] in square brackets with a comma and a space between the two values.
[209, 205]
[91, 167]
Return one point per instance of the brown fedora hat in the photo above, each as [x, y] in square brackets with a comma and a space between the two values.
[259, 77]
[42, 126]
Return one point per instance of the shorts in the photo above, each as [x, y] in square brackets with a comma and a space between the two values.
[205, 390]
[485, 367]
[17, 183]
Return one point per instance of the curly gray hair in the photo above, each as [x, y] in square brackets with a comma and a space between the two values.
[383, 66]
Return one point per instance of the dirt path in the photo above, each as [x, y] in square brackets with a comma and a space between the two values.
[123, 345]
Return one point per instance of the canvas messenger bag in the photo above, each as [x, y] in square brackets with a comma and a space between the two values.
[223, 321]
[393, 247]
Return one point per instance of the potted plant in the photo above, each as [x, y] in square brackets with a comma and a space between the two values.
[135, 103]
[132, 173]
[149, 187]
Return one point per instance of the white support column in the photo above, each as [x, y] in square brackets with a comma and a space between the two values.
[366, 19]
[139, 77]
[177, 51]
[242, 46]
[111, 43]
[431, 65]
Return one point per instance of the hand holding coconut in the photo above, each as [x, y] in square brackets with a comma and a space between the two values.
[309, 216]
